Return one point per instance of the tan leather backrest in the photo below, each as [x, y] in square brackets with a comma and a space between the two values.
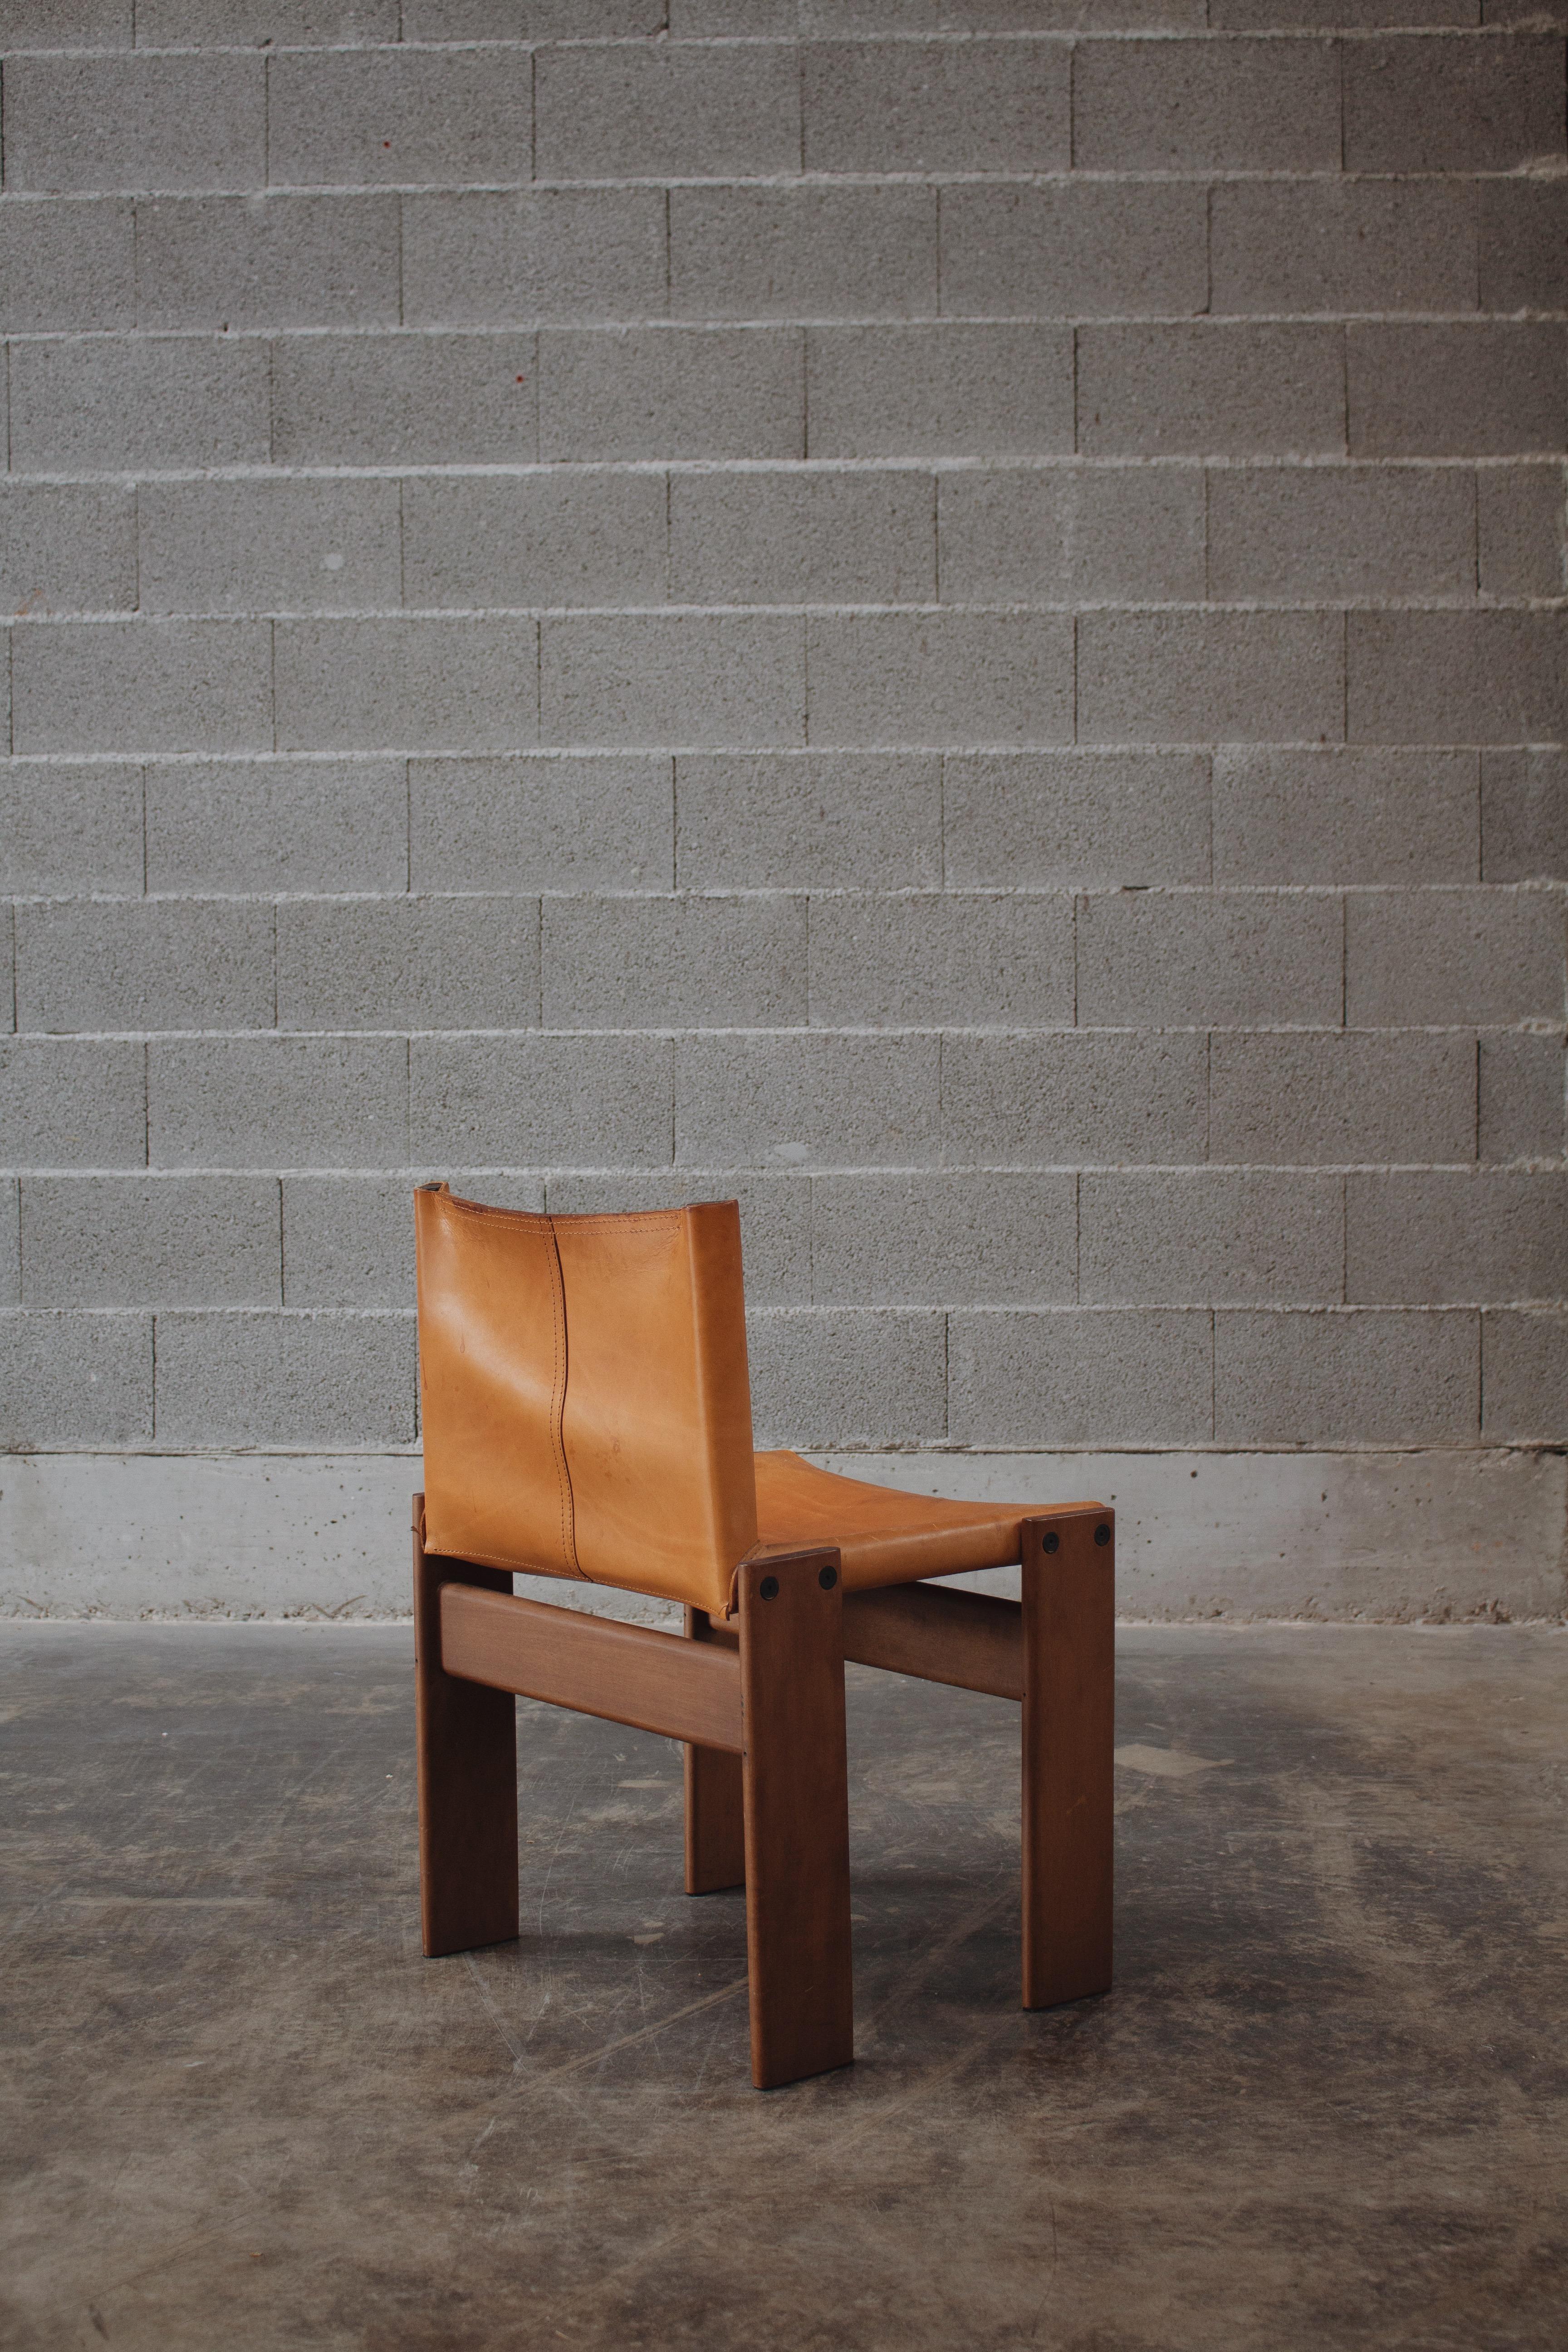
[586, 1406]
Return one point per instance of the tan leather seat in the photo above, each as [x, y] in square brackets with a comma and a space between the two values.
[884, 1535]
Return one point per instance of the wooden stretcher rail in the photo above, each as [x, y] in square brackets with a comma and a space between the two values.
[970, 1639]
[629, 1674]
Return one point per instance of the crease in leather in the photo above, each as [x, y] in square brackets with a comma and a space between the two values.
[558, 1408]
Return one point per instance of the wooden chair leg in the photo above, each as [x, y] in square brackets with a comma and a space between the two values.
[1069, 1664]
[796, 1803]
[467, 1775]
[715, 1826]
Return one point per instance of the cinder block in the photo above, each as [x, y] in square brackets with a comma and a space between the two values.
[1205, 1237]
[802, 538]
[281, 824]
[1413, 1238]
[675, 964]
[273, 261]
[702, 19]
[1073, 819]
[1242, 678]
[941, 959]
[1457, 677]
[408, 963]
[1415, 105]
[792, 821]
[418, 686]
[137, 963]
[1524, 1378]
[1501, 13]
[1524, 815]
[776, 1218]
[65, 1105]
[970, 106]
[540, 823]
[348, 1240]
[1146, 958]
[1211, 391]
[142, 685]
[1353, 1378]
[92, 124]
[10, 1251]
[541, 1102]
[1077, 531]
[456, 117]
[1523, 243]
[856, 1379]
[1520, 519]
[1114, 1377]
[248, 547]
[975, 1239]
[930, 678]
[262, 24]
[939, 391]
[415, 399]
[695, 679]
[531, 20]
[42, 24]
[67, 548]
[666, 112]
[1521, 1081]
[151, 1241]
[1095, 250]
[1496, 389]
[671, 392]
[1058, 1101]
[1345, 816]
[806, 1102]
[1431, 957]
[66, 266]
[75, 1380]
[1345, 1100]
[1332, 533]
[838, 17]
[277, 1102]
[534, 539]
[548, 253]
[143, 401]
[1193, 105]
[1334, 16]
[1342, 244]
[287, 1380]
[65, 828]
[803, 253]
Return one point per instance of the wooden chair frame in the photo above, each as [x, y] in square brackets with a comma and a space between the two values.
[759, 1707]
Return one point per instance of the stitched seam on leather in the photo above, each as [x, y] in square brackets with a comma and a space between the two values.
[560, 1375]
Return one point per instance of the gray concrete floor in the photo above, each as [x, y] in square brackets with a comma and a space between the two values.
[1325, 2104]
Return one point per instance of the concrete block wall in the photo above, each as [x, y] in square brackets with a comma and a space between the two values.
[946, 614]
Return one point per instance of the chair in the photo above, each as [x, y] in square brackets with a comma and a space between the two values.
[586, 1415]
